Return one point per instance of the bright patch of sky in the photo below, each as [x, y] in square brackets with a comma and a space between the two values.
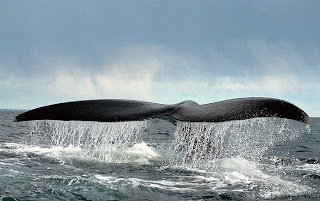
[161, 51]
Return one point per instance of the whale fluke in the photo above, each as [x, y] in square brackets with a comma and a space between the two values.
[114, 110]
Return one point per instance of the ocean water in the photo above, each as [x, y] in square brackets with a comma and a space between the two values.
[256, 159]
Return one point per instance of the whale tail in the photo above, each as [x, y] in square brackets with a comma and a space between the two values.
[113, 110]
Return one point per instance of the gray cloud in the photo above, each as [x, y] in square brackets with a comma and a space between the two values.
[159, 51]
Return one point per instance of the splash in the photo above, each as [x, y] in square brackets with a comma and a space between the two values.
[194, 143]
[112, 142]
[198, 142]
[203, 157]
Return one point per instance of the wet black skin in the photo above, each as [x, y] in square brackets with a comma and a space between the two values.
[114, 110]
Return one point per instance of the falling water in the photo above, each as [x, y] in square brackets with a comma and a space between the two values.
[226, 158]
[194, 143]
[101, 140]
[197, 142]
[239, 160]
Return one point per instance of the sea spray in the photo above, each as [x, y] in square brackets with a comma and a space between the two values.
[112, 142]
[194, 143]
[197, 143]
[229, 155]
[46, 169]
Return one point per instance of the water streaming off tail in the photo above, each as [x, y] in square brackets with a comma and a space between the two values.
[101, 140]
[196, 142]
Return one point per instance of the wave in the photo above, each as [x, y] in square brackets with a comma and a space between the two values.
[216, 159]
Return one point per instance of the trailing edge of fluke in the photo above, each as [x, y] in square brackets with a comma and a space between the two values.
[115, 110]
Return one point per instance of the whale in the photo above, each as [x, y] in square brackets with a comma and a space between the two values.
[118, 110]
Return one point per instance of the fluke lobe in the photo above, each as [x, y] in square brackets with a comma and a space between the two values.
[115, 110]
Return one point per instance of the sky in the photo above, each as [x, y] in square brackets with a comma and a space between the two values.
[159, 51]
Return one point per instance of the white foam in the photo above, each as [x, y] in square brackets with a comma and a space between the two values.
[142, 152]
[160, 184]
[242, 175]
[314, 168]
[139, 153]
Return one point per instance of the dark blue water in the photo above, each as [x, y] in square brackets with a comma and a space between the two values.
[257, 159]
